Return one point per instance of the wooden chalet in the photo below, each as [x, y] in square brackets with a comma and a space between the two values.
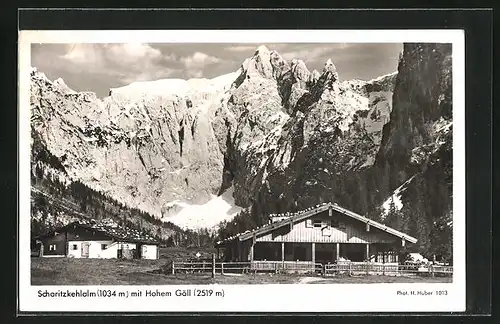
[326, 233]
[94, 239]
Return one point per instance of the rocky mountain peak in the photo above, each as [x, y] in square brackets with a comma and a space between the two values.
[260, 63]
[263, 50]
[331, 70]
[62, 86]
[59, 81]
[328, 65]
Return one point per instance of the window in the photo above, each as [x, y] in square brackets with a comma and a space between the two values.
[309, 223]
[104, 246]
[318, 223]
[74, 247]
[52, 247]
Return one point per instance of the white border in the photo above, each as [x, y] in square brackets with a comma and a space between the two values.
[253, 298]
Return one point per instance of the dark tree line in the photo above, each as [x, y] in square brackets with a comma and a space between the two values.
[425, 212]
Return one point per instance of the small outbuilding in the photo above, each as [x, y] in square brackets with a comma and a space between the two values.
[97, 239]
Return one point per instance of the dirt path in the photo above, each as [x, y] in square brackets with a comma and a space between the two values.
[306, 280]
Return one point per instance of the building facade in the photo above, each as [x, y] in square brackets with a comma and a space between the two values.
[92, 239]
[324, 234]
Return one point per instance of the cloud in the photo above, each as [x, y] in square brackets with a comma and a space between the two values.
[241, 48]
[199, 59]
[82, 54]
[195, 73]
[308, 54]
[128, 53]
[160, 73]
[125, 62]
[197, 63]
[98, 67]
[119, 54]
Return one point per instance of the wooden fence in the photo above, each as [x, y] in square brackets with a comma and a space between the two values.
[345, 268]
[286, 266]
[246, 267]
[359, 268]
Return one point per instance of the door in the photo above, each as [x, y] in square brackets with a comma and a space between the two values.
[85, 249]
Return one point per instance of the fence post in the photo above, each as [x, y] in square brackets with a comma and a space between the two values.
[213, 265]
[222, 268]
[173, 267]
[432, 270]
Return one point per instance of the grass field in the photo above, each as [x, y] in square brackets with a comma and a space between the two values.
[64, 271]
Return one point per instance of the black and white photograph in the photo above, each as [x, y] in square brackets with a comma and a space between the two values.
[154, 163]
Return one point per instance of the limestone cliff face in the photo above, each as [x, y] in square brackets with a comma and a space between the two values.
[142, 151]
[416, 153]
[424, 107]
[289, 131]
[279, 135]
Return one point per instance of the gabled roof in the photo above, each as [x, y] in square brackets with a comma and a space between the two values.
[303, 214]
[111, 229]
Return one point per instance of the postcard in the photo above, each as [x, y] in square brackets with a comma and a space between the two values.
[241, 171]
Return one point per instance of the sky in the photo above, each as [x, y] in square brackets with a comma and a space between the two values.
[99, 67]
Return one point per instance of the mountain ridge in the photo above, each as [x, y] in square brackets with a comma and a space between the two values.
[100, 122]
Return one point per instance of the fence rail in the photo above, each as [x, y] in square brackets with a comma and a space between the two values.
[246, 267]
[353, 268]
[343, 268]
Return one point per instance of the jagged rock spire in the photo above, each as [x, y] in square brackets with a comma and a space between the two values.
[280, 66]
[329, 66]
[262, 50]
[259, 64]
[265, 63]
[299, 70]
[331, 69]
[314, 76]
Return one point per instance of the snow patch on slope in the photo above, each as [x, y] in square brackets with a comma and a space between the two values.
[207, 215]
[380, 78]
[179, 87]
[395, 198]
